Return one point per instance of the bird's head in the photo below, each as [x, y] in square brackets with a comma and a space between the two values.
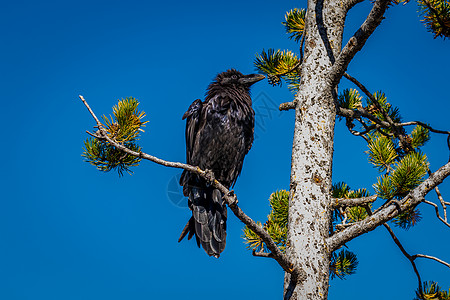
[235, 78]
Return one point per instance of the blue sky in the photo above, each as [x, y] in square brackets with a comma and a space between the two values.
[68, 231]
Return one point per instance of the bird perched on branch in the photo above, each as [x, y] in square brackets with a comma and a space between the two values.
[219, 133]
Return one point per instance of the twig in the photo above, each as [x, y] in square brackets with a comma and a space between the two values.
[441, 199]
[262, 254]
[229, 197]
[412, 258]
[436, 208]
[423, 125]
[433, 258]
[398, 132]
[287, 105]
[409, 257]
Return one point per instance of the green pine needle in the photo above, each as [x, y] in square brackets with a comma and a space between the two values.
[350, 99]
[392, 112]
[126, 122]
[419, 136]
[252, 240]
[278, 65]
[279, 202]
[354, 214]
[277, 232]
[340, 190]
[408, 173]
[106, 157]
[124, 127]
[276, 224]
[295, 23]
[343, 264]
[432, 291]
[436, 16]
[382, 153]
[407, 219]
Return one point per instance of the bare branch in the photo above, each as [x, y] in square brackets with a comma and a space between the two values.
[360, 86]
[398, 133]
[436, 208]
[357, 41]
[412, 258]
[262, 254]
[339, 202]
[385, 214]
[423, 125]
[287, 105]
[229, 196]
[441, 199]
[433, 258]
[361, 112]
[409, 257]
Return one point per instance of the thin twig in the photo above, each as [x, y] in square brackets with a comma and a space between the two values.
[436, 208]
[423, 125]
[287, 105]
[433, 258]
[409, 257]
[262, 254]
[396, 129]
[441, 199]
[229, 196]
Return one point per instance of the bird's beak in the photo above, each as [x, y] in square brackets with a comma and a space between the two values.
[251, 79]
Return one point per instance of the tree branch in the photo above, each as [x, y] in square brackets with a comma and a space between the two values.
[395, 128]
[340, 202]
[409, 257]
[433, 258]
[287, 105]
[357, 41]
[229, 196]
[412, 258]
[262, 254]
[436, 208]
[385, 214]
[423, 125]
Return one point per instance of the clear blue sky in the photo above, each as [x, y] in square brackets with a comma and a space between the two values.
[68, 231]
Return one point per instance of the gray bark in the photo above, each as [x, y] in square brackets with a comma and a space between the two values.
[312, 153]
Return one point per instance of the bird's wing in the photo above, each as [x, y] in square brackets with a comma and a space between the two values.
[192, 116]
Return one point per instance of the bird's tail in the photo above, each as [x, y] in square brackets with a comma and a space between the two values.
[208, 221]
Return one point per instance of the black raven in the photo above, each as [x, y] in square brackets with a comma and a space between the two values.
[219, 133]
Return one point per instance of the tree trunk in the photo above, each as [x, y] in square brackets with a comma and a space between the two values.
[312, 153]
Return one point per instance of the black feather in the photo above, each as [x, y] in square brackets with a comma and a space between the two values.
[219, 133]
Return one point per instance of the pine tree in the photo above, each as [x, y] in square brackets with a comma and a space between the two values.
[308, 226]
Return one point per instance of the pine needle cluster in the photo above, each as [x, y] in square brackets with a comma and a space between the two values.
[284, 65]
[342, 264]
[436, 16]
[276, 224]
[432, 291]
[401, 163]
[350, 214]
[124, 127]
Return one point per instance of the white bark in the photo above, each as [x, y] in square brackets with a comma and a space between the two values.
[312, 154]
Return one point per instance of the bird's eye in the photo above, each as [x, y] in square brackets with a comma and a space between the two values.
[234, 77]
